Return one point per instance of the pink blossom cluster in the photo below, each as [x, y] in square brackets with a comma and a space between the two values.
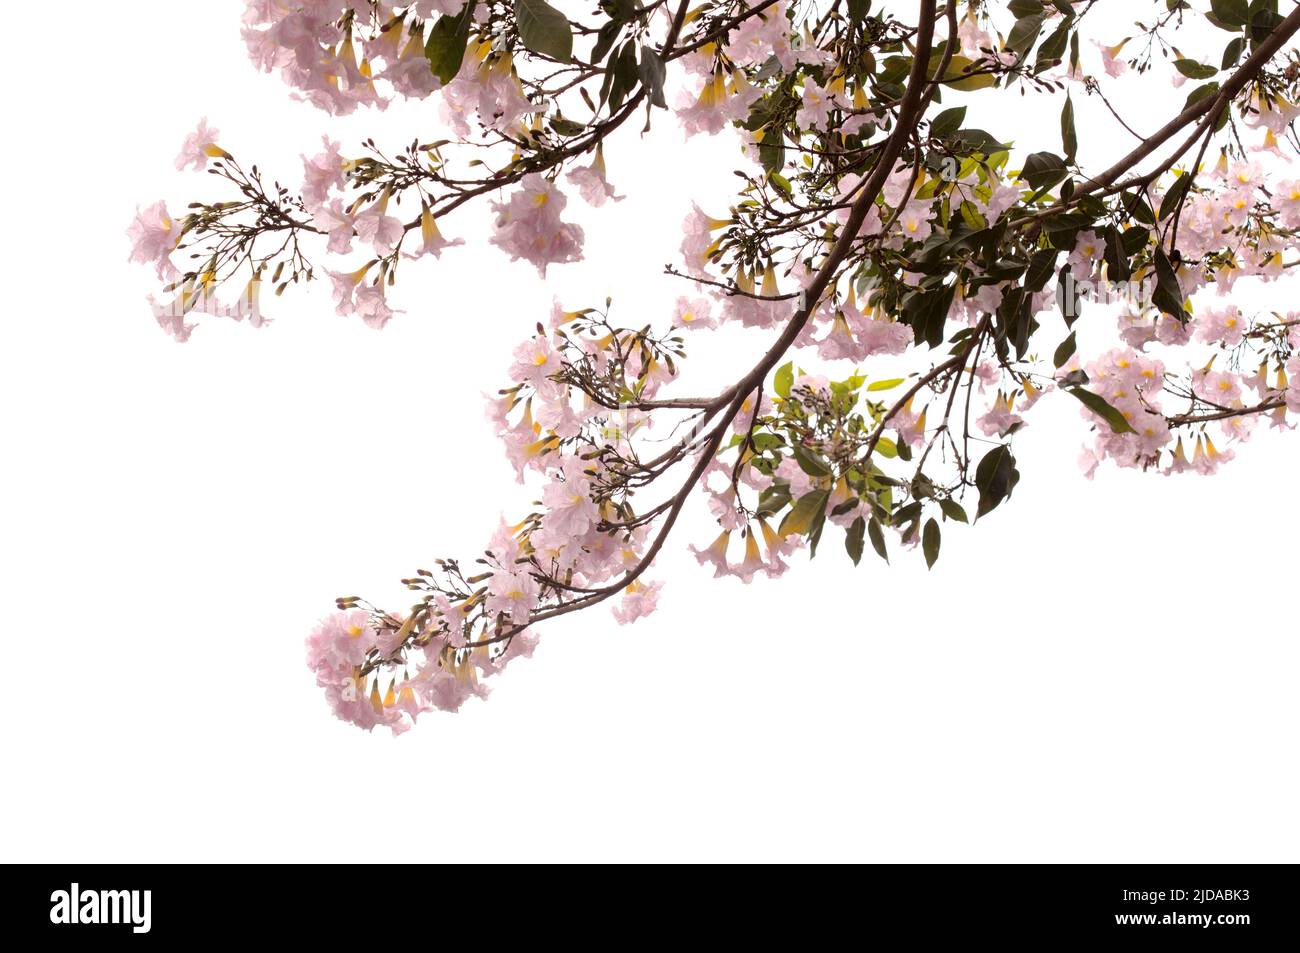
[443, 677]
[333, 51]
[528, 225]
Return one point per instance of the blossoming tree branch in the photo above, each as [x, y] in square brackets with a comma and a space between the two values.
[870, 219]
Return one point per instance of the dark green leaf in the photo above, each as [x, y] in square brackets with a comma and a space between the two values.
[853, 540]
[930, 542]
[445, 47]
[1194, 70]
[1168, 296]
[1138, 207]
[877, 539]
[1043, 170]
[953, 510]
[1052, 49]
[995, 478]
[544, 29]
[807, 514]
[810, 464]
[1232, 14]
[1102, 409]
[1025, 8]
[1174, 195]
[927, 314]
[1069, 137]
[1024, 34]
[1117, 263]
[947, 122]
[1232, 52]
[652, 76]
[1064, 351]
[1040, 268]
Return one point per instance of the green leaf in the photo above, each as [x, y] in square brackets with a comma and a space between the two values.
[1024, 34]
[1232, 52]
[784, 379]
[1064, 351]
[885, 385]
[1230, 14]
[1102, 409]
[810, 464]
[877, 537]
[953, 510]
[1168, 296]
[807, 515]
[1174, 195]
[947, 122]
[1199, 93]
[445, 47]
[1117, 263]
[956, 75]
[927, 314]
[544, 29]
[774, 499]
[1040, 269]
[1043, 170]
[652, 76]
[930, 542]
[853, 540]
[1025, 8]
[1069, 137]
[1052, 49]
[1194, 70]
[995, 478]
[1138, 207]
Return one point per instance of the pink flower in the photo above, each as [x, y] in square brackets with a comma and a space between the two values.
[1217, 388]
[759, 37]
[513, 591]
[1220, 326]
[528, 225]
[816, 105]
[372, 306]
[708, 112]
[377, 228]
[322, 174]
[591, 182]
[154, 236]
[753, 562]
[1110, 60]
[914, 221]
[1000, 420]
[488, 87]
[570, 513]
[715, 554]
[693, 313]
[1275, 114]
[171, 318]
[431, 240]
[335, 650]
[334, 220]
[639, 600]
[698, 242]
[1207, 459]
[200, 146]
[535, 361]
[345, 286]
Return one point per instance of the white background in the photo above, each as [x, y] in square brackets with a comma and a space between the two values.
[1099, 672]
